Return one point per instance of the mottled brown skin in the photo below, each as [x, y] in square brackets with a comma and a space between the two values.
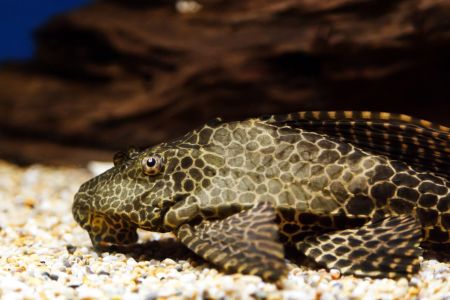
[316, 183]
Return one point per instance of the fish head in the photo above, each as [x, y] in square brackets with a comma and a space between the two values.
[140, 188]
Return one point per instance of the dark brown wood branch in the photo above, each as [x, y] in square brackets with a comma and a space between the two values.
[138, 72]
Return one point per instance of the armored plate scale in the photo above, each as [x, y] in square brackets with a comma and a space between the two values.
[356, 191]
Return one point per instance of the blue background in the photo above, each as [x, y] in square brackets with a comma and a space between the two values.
[18, 20]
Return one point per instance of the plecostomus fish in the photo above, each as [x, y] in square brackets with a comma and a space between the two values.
[354, 191]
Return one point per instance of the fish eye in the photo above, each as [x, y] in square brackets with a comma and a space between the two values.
[151, 162]
[152, 165]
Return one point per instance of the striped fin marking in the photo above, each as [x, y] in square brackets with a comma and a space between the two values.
[398, 136]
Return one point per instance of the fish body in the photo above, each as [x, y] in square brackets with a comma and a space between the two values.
[236, 192]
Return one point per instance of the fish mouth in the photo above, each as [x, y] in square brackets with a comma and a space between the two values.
[104, 230]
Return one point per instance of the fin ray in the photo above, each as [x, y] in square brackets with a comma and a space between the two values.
[420, 143]
[246, 242]
[387, 247]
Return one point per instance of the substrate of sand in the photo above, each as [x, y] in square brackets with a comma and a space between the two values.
[44, 254]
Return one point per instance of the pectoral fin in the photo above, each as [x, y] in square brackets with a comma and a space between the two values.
[385, 248]
[246, 242]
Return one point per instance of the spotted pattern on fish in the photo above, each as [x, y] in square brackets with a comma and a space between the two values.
[320, 184]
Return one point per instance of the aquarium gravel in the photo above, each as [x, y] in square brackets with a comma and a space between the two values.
[44, 254]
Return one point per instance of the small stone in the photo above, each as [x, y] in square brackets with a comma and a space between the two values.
[29, 202]
[151, 296]
[74, 285]
[51, 276]
[168, 262]
[67, 263]
[335, 274]
[71, 248]
[103, 273]
[88, 293]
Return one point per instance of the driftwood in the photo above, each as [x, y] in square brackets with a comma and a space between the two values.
[117, 73]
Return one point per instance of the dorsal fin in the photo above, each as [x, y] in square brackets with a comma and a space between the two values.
[420, 143]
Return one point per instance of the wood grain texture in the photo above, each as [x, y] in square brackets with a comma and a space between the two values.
[116, 73]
